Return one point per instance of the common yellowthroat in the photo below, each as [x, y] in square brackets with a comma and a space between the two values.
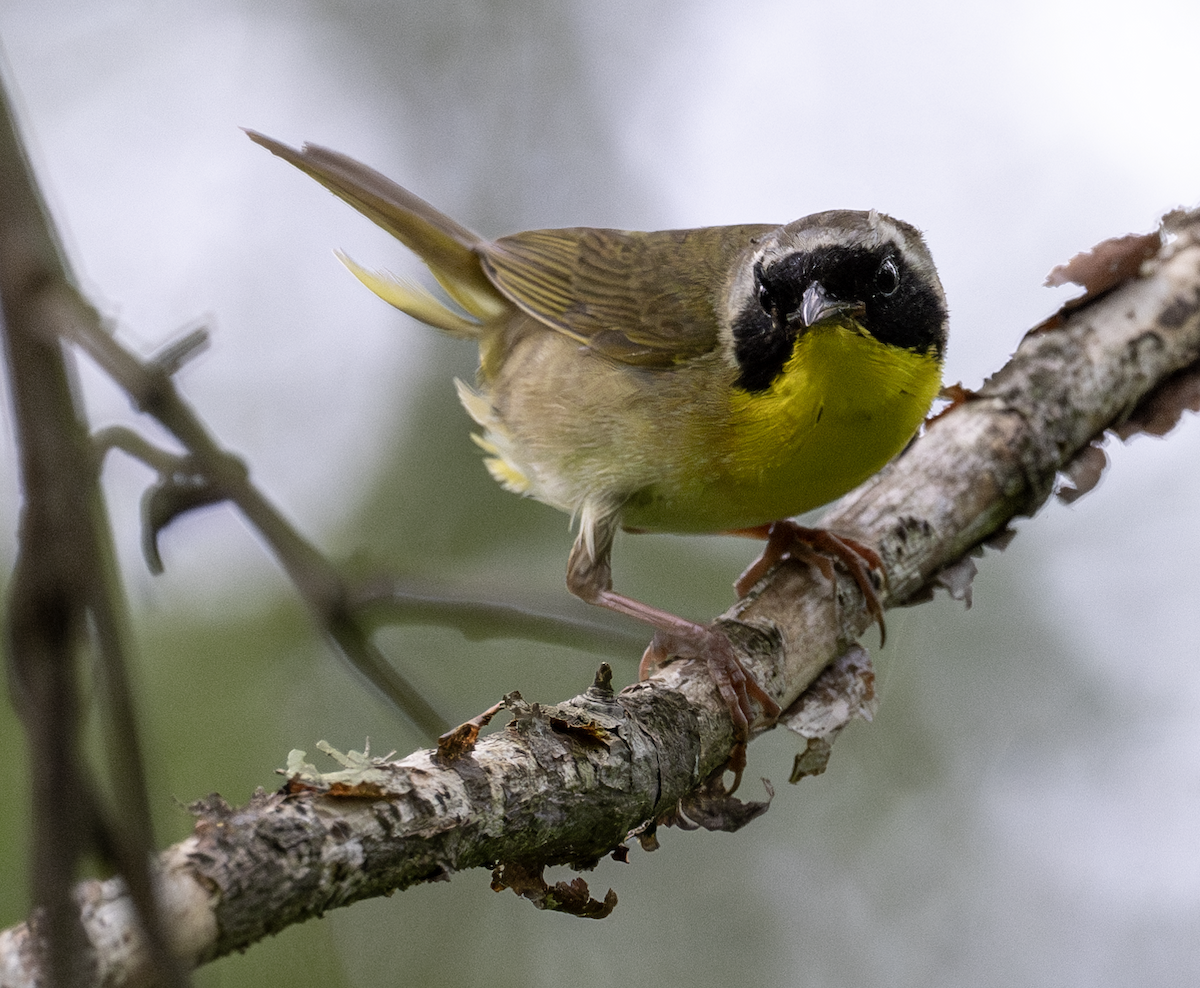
[708, 380]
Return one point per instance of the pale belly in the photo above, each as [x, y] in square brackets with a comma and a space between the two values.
[669, 452]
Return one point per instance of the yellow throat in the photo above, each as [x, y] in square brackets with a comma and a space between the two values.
[843, 406]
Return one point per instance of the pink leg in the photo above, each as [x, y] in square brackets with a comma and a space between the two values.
[815, 546]
[591, 580]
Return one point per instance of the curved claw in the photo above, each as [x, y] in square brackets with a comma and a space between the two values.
[589, 576]
[820, 548]
[737, 687]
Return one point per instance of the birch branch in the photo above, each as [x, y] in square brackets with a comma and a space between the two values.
[570, 783]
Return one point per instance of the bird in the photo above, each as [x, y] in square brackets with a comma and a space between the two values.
[720, 379]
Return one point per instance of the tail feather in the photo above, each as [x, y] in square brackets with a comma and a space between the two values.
[413, 298]
[446, 247]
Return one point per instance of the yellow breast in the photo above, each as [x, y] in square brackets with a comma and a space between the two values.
[844, 405]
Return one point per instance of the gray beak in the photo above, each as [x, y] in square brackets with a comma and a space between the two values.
[817, 305]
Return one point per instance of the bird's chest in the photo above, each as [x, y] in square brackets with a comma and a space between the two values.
[844, 405]
[838, 386]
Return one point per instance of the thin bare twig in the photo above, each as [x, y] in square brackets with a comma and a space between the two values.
[65, 596]
[334, 602]
[344, 611]
[387, 601]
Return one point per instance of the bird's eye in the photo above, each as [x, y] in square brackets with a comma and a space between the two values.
[887, 278]
[765, 299]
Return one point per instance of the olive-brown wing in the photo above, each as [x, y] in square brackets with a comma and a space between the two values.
[649, 299]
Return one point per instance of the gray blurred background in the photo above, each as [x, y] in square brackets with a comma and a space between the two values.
[1023, 809]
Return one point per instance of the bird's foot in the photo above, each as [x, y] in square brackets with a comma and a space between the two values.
[738, 688]
[820, 549]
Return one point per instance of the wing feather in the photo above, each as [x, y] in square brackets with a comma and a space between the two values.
[650, 299]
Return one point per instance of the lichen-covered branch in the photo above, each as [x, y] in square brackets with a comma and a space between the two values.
[572, 782]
